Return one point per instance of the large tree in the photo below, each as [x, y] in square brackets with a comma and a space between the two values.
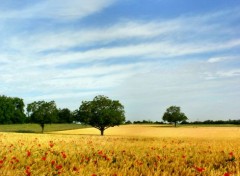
[101, 113]
[42, 112]
[173, 114]
[11, 110]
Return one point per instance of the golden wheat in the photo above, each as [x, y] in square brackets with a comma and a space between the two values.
[125, 150]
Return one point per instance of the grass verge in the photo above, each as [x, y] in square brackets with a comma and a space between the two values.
[35, 128]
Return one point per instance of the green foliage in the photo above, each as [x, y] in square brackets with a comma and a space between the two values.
[174, 114]
[11, 110]
[65, 116]
[101, 113]
[42, 112]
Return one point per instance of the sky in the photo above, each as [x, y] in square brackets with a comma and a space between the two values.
[148, 54]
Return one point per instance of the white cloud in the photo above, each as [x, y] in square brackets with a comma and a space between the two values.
[216, 59]
[146, 50]
[183, 86]
[57, 9]
[155, 76]
[229, 73]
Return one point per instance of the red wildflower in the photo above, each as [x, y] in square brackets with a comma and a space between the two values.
[64, 155]
[183, 156]
[44, 158]
[53, 162]
[51, 144]
[28, 171]
[58, 167]
[199, 169]
[75, 168]
[231, 153]
[94, 174]
[1, 161]
[227, 174]
[28, 153]
[100, 152]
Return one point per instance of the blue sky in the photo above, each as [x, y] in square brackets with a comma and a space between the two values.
[147, 54]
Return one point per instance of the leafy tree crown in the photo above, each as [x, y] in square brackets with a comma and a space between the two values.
[174, 114]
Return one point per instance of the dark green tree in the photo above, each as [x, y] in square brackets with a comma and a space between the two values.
[65, 116]
[101, 113]
[11, 110]
[42, 112]
[19, 115]
[173, 114]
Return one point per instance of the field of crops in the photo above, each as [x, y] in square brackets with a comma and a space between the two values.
[126, 150]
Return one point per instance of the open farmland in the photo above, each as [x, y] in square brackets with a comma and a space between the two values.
[125, 150]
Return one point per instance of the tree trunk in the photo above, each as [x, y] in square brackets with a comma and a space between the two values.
[175, 124]
[102, 131]
[42, 126]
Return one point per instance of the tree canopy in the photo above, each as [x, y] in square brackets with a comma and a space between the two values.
[102, 113]
[173, 114]
[11, 110]
[42, 112]
[65, 116]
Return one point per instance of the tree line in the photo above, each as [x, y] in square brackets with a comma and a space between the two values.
[208, 122]
[233, 122]
[12, 111]
[101, 112]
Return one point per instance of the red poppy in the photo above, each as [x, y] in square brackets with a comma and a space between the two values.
[28, 153]
[44, 158]
[64, 155]
[28, 171]
[53, 162]
[227, 174]
[199, 169]
[58, 167]
[75, 168]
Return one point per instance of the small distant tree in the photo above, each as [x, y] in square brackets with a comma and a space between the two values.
[173, 114]
[42, 112]
[128, 122]
[101, 113]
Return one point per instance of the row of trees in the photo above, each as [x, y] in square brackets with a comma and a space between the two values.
[100, 113]
[12, 111]
[234, 122]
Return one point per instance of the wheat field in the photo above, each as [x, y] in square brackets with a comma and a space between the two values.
[147, 150]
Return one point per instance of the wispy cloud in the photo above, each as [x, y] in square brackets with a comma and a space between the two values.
[145, 63]
[57, 9]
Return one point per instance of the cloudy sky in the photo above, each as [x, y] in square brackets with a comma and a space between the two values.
[149, 54]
